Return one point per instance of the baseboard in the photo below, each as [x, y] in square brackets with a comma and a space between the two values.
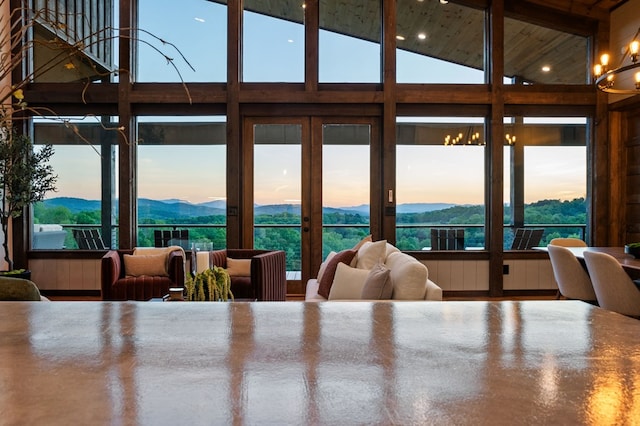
[71, 293]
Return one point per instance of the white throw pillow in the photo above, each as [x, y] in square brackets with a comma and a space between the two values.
[408, 275]
[371, 253]
[348, 283]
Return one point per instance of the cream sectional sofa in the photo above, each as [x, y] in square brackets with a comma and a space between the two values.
[408, 277]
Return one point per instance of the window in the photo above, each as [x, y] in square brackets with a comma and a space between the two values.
[197, 31]
[539, 55]
[439, 180]
[549, 158]
[345, 185]
[349, 41]
[272, 48]
[182, 178]
[431, 49]
[78, 203]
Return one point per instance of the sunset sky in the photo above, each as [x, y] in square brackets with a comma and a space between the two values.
[274, 51]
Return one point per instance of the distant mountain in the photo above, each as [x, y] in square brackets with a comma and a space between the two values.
[75, 205]
[174, 208]
[153, 209]
[277, 209]
[422, 207]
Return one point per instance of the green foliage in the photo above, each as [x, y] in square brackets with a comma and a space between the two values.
[210, 285]
[352, 227]
[25, 177]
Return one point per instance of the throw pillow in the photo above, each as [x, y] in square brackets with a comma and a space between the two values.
[367, 239]
[408, 276]
[371, 253]
[324, 285]
[377, 285]
[239, 267]
[347, 283]
[362, 241]
[323, 265]
[151, 265]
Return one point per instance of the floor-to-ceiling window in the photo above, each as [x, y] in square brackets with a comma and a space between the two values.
[182, 178]
[84, 151]
[549, 185]
[440, 173]
[438, 103]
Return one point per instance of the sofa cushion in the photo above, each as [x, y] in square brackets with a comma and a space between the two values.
[150, 265]
[408, 275]
[391, 249]
[362, 241]
[347, 283]
[371, 253]
[345, 257]
[239, 267]
[377, 285]
[323, 265]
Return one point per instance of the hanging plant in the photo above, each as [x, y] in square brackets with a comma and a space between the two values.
[210, 285]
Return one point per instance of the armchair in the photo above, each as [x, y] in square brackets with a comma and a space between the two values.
[116, 285]
[268, 277]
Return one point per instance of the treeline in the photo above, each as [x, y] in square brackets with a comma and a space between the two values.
[339, 238]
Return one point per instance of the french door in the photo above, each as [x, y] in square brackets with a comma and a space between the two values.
[307, 187]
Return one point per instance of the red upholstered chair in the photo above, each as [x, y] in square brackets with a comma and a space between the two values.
[117, 286]
[268, 280]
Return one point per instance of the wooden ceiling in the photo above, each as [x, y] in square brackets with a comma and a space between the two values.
[537, 33]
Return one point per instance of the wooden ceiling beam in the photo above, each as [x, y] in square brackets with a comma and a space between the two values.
[540, 13]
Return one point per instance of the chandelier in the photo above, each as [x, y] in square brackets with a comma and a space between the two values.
[471, 137]
[605, 78]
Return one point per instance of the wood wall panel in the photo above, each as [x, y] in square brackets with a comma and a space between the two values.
[630, 134]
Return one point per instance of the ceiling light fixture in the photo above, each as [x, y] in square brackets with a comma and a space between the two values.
[422, 36]
[471, 138]
[606, 78]
[546, 68]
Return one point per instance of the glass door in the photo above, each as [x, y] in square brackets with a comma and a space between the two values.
[308, 187]
[346, 184]
[277, 178]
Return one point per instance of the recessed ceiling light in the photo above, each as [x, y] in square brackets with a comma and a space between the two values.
[443, 2]
[399, 37]
[422, 36]
[546, 68]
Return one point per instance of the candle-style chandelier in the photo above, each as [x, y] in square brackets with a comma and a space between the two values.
[470, 137]
[612, 80]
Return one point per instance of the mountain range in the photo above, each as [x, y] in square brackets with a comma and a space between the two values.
[158, 209]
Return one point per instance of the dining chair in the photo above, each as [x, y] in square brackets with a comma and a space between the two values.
[613, 287]
[573, 281]
[568, 242]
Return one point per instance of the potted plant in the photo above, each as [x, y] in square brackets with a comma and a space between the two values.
[212, 284]
[25, 177]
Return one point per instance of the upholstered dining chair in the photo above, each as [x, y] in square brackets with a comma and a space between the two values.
[573, 281]
[568, 242]
[613, 286]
